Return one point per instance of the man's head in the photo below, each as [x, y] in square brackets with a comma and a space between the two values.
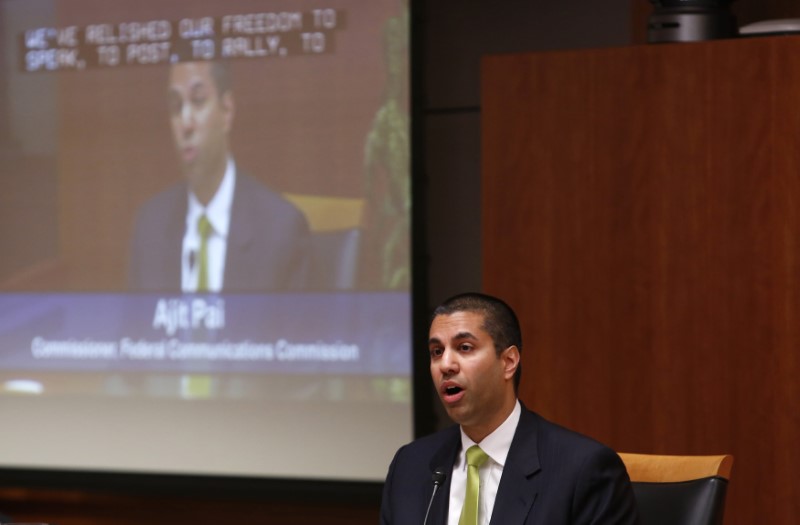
[201, 114]
[475, 345]
[499, 320]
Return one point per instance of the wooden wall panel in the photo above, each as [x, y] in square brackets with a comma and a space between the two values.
[640, 213]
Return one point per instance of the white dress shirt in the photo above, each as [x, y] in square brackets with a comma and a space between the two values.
[496, 446]
[218, 212]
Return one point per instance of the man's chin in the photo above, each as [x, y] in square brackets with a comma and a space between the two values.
[190, 172]
[456, 413]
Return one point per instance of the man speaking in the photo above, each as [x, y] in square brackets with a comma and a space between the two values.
[502, 464]
[218, 229]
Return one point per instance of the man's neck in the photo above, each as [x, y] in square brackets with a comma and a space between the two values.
[477, 433]
[206, 186]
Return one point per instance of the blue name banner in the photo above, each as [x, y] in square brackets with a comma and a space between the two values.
[342, 334]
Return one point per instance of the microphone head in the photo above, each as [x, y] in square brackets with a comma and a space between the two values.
[439, 475]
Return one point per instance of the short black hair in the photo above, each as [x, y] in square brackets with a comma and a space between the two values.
[499, 320]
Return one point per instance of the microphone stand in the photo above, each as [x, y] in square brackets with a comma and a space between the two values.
[438, 478]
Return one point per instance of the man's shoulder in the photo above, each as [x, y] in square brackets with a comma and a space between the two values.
[438, 438]
[169, 201]
[261, 197]
[437, 443]
[554, 432]
[557, 441]
[432, 441]
[248, 185]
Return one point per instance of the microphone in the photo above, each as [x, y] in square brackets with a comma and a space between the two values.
[439, 475]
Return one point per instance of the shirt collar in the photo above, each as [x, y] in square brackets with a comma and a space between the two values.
[497, 444]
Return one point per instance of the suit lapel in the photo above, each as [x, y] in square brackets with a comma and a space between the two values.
[175, 229]
[240, 234]
[519, 484]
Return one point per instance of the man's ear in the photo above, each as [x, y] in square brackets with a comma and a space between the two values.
[510, 357]
[228, 109]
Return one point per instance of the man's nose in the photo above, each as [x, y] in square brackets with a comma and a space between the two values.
[448, 364]
[187, 118]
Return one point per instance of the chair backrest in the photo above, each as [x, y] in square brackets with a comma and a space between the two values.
[679, 490]
[328, 213]
[334, 259]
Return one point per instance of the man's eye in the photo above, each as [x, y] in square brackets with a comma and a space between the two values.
[198, 95]
[436, 352]
[465, 347]
[175, 105]
[199, 100]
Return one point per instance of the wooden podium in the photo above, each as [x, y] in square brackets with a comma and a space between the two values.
[641, 211]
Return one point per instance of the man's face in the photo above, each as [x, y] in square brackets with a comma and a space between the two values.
[201, 120]
[473, 382]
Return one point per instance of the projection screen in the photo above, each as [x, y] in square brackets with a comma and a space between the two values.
[130, 340]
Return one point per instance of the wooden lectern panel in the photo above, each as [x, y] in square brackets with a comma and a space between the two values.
[100, 507]
[640, 212]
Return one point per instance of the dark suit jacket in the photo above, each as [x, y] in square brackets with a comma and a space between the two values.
[267, 241]
[552, 476]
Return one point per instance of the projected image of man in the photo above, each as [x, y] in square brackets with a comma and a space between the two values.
[218, 229]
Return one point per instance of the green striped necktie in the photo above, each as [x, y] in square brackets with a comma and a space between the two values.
[475, 458]
[204, 229]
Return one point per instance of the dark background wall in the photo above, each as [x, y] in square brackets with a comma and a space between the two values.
[456, 33]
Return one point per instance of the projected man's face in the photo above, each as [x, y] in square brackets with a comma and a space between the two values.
[201, 119]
